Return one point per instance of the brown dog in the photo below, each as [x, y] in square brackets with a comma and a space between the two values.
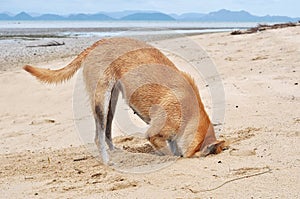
[161, 95]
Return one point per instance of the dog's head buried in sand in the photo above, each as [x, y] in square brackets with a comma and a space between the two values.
[161, 95]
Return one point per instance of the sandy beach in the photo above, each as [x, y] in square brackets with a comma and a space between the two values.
[42, 154]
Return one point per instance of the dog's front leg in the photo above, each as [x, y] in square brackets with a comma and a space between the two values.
[158, 139]
[174, 147]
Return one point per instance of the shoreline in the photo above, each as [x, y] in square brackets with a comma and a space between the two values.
[40, 33]
[99, 28]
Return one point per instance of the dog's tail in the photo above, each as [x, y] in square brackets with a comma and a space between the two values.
[63, 74]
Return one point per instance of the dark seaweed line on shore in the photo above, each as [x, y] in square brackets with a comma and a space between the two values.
[263, 27]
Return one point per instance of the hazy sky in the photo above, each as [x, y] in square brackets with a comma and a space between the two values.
[257, 7]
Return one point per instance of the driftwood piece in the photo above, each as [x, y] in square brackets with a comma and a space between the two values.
[263, 27]
[52, 43]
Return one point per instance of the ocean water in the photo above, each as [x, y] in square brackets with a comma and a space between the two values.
[123, 24]
[114, 28]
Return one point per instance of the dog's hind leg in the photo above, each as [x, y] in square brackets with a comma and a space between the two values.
[100, 134]
[108, 137]
[103, 117]
[110, 115]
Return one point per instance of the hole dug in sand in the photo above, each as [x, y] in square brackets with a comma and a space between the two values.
[134, 154]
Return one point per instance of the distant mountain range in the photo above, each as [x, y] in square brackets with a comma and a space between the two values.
[149, 16]
[218, 16]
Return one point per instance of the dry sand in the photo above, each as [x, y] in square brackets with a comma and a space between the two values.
[42, 155]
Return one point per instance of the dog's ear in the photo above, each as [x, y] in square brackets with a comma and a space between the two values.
[213, 148]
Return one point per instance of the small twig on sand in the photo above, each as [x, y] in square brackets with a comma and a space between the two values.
[53, 43]
[232, 180]
[80, 159]
[28, 178]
